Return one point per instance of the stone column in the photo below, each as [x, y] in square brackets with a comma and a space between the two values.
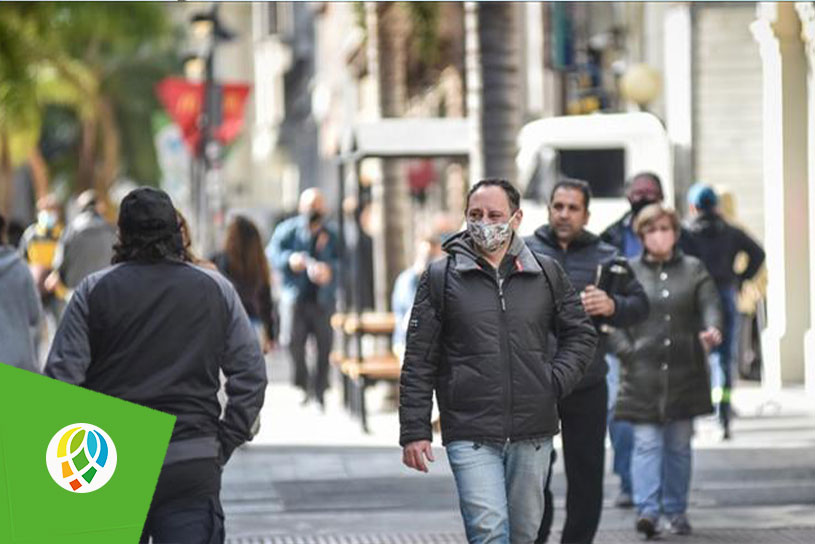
[806, 12]
[777, 31]
[678, 74]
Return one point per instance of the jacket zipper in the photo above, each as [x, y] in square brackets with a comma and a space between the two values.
[507, 360]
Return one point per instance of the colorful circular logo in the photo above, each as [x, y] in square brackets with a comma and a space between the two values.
[81, 458]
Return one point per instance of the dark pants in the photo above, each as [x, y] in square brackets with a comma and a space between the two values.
[186, 506]
[310, 318]
[583, 424]
[721, 358]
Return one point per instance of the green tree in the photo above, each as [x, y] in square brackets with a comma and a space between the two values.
[102, 60]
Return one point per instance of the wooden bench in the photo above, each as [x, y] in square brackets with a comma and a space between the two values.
[359, 373]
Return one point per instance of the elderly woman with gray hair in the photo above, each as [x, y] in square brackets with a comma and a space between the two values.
[665, 381]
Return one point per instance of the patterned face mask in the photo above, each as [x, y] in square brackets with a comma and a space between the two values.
[489, 236]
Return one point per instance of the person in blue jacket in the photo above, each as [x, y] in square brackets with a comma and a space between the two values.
[305, 252]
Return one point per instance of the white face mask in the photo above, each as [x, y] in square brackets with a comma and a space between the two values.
[47, 219]
[490, 236]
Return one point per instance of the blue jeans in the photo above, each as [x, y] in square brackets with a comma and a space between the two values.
[721, 358]
[661, 467]
[500, 488]
[620, 432]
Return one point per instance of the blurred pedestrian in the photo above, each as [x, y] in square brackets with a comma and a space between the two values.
[643, 189]
[19, 309]
[428, 249]
[244, 263]
[86, 245]
[38, 246]
[479, 337]
[719, 243]
[162, 330]
[665, 381]
[611, 295]
[305, 251]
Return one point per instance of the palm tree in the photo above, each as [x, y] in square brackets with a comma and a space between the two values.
[494, 86]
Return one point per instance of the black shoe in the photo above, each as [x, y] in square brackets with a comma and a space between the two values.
[680, 525]
[648, 527]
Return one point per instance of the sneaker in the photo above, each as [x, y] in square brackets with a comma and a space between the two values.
[679, 525]
[647, 526]
[623, 500]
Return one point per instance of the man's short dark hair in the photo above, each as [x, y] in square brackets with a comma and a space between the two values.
[576, 184]
[512, 193]
[649, 175]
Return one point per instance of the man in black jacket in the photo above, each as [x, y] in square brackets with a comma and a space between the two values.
[718, 243]
[155, 330]
[479, 336]
[612, 296]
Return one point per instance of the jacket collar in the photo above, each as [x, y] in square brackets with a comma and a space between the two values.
[467, 258]
[675, 257]
[547, 235]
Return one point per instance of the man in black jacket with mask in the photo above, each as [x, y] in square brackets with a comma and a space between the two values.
[611, 295]
[479, 336]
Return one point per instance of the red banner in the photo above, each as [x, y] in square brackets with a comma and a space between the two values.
[184, 100]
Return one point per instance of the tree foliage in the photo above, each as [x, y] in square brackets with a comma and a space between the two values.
[100, 60]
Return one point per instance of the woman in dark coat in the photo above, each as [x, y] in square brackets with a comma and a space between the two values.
[665, 381]
[244, 263]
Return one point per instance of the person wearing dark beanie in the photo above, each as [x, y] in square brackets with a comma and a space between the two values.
[718, 243]
[162, 331]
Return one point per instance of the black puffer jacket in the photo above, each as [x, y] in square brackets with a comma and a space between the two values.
[485, 353]
[580, 261]
[719, 243]
[664, 367]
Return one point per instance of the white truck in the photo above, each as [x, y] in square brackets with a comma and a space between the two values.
[603, 149]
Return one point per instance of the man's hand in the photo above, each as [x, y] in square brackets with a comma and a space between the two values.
[413, 455]
[319, 273]
[268, 346]
[710, 338]
[297, 262]
[596, 302]
[51, 282]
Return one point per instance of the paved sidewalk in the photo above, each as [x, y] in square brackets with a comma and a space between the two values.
[313, 477]
[729, 536]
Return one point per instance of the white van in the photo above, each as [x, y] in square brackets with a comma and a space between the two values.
[602, 149]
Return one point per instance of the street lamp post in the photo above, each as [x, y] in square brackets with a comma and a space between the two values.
[207, 190]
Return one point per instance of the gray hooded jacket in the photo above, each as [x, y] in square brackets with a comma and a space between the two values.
[19, 312]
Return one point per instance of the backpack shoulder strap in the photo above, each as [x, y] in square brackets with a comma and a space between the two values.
[437, 271]
[549, 268]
